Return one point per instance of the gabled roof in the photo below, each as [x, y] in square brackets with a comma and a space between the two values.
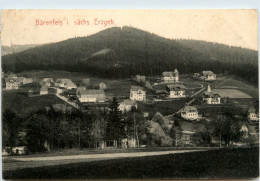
[175, 71]
[47, 80]
[189, 109]
[92, 92]
[136, 88]
[167, 74]
[140, 76]
[207, 73]
[44, 88]
[251, 110]
[102, 83]
[129, 102]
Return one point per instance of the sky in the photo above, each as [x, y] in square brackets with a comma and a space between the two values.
[231, 27]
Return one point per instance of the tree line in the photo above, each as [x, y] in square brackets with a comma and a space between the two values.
[51, 129]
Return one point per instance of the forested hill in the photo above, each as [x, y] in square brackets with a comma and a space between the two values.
[15, 48]
[222, 52]
[122, 52]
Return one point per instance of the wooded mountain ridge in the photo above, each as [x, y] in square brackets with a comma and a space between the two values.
[122, 52]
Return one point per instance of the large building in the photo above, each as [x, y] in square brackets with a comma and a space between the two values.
[252, 114]
[208, 75]
[127, 105]
[176, 90]
[137, 93]
[189, 113]
[210, 97]
[48, 82]
[65, 83]
[171, 76]
[92, 96]
[11, 84]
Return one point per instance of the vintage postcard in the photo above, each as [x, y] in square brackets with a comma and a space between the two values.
[130, 94]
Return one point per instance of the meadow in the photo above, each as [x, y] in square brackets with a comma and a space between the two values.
[231, 163]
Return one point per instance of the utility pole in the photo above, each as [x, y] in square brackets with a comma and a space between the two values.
[136, 134]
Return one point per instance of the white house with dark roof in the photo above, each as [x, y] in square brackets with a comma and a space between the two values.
[137, 93]
[127, 105]
[65, 83]
[92, 95]
[140, 78]
[102, 86]
[11, 84]
[48, 82]
[208, 75]
[170, 76]
[211, 97]
[252, 114]
[189, 113]
[176, 90]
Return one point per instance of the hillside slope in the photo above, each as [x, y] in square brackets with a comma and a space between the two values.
[122, 52]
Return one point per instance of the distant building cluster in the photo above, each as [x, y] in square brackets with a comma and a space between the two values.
[206, 75]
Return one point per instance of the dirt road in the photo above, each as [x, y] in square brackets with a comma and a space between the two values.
[14, 163]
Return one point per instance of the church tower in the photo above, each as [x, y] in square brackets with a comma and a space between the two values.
[176, 75]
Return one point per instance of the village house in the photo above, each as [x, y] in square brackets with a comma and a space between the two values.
[65, 83]
[92, 96]
[11, 84]
[127, 105]
[137, 93]
[48, 82]
[176, 90]
[189, 113]
[79, 89]
[252, 114]
[140, 78]
[44, 90]
[196, 75]
[27, 80]
[208, 75]
[210, 97]
[170, 76]
[244, 131]
[102, 86]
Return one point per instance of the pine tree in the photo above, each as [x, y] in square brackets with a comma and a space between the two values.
[116, 124]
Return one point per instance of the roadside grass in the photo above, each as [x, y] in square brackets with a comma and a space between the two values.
[235, 163]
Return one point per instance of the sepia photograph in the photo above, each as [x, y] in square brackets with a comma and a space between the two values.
[130, 94]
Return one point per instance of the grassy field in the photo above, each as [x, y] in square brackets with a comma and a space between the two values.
[240, 84]
[232, 93]
[224, 163]
[164, 107]
[19, 101]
